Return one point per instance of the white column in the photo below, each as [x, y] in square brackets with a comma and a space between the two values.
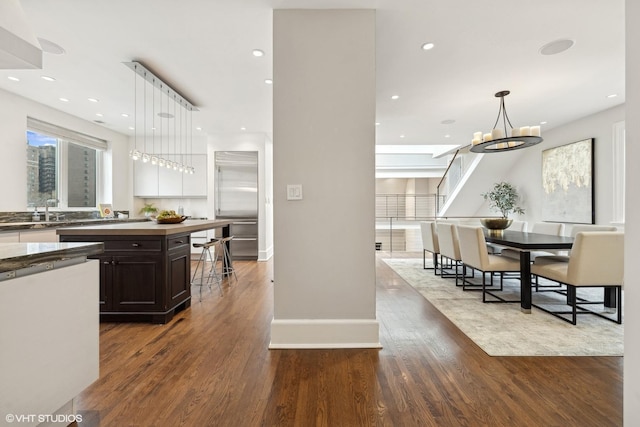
[324, 140]
[632, 220]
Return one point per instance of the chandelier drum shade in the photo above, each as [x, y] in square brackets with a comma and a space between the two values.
[502, 139]
[163, 133]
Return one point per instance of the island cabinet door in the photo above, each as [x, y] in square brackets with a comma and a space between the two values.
[106, 276]
[179, 286]
[179, 264]
[137, 283]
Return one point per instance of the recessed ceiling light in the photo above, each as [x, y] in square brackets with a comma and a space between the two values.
[99, 114]
[268, 81]
[613, 95]
[401, 136]
[92, 100]
[543, 123]
[49, 79]
[394, 97]
[447, 136]
[377, 123]
[63, 99]
[257, 52]
[198, 128]
[428, 46]
[124, 115]
[15, 79]
[131, 128]
[556, 46]
[243, 128]
[50, 47]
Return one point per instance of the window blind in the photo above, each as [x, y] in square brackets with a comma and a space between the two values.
[68, 134]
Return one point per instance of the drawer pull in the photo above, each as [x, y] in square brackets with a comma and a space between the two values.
[179, 242]
[135, 245]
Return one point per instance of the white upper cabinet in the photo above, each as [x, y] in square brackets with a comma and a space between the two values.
[153, 181]
[196, 185]
[145, 181]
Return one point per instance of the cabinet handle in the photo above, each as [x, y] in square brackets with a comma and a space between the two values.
[107, 262]
[135, 245]
[179, 241]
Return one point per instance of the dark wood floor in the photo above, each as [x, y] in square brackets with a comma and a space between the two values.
[211, 367]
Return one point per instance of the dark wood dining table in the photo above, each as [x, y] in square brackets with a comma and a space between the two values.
[525, 243]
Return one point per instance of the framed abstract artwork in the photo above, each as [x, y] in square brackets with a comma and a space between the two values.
[567, 183]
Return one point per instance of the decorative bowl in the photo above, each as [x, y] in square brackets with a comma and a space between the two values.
[496, 223]
[175, 220]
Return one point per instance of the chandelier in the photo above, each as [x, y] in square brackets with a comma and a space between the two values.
[163, 132]
[499, 139]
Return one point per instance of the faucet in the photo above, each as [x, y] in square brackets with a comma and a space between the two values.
[46, 208]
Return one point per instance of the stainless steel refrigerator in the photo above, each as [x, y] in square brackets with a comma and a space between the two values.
[236, 198]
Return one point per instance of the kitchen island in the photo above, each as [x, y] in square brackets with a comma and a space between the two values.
[145, 270]
[48, 327]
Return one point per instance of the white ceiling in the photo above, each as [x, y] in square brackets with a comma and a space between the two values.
[203, 48]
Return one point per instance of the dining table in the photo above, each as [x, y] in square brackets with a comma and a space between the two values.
[526, 242]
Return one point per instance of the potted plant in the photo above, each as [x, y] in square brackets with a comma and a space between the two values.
[148, 209]
[502, 198]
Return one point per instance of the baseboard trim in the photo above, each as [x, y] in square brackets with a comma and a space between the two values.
[324, 333]
[265, 255]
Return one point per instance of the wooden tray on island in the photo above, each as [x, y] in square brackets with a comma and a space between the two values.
[175, 220]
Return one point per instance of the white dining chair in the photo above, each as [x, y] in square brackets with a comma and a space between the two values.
[450, 250]
[591, 250]
[430, 244]
[473, 250]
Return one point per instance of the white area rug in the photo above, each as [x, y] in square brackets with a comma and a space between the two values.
[502, 329]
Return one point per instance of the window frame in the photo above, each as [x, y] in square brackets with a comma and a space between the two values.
[63, 138]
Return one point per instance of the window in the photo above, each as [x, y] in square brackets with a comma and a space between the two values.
[63, 167]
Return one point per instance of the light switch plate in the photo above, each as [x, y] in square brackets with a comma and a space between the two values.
[294, 191]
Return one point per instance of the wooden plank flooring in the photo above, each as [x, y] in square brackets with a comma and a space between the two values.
[210, 366]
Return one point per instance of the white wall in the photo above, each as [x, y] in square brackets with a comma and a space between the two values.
[525, 174]
[324, 139]
[632, 218]
[13, 162]
[525, 169]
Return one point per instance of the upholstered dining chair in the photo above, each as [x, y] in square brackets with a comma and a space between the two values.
[473, 250]
[575, 229]
[450, 250]
[430, 243]
[590, 252]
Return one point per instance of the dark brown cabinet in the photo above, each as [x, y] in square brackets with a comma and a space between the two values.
[142, 278]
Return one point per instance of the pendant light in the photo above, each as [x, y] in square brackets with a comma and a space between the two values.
[148, 141]
[501, 139]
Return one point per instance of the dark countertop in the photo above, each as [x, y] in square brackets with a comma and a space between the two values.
[148, 228]
[42, 225]
[14, 256]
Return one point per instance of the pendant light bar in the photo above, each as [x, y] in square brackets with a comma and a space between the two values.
[158, 83]
[179, 159]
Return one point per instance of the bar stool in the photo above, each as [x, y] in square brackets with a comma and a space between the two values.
[227, 261]
[212, 274]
